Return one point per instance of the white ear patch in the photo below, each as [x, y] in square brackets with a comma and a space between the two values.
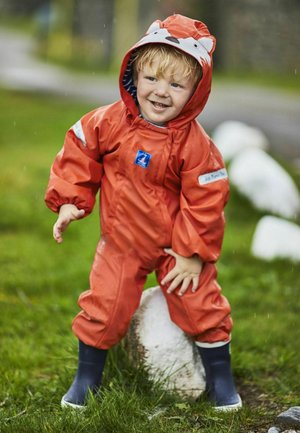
[154, 26]
[207, 43]
[196, 48]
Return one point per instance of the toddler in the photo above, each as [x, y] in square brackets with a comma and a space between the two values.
[163, 188]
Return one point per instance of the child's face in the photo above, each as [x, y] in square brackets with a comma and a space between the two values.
[162, 98]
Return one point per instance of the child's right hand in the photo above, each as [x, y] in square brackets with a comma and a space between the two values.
[67, 214]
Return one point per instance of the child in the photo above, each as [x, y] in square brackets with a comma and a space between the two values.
[163, 188]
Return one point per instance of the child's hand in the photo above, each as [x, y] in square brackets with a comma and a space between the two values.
[67, 214]
[186, 271]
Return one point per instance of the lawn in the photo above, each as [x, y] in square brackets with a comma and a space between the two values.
[40, 282]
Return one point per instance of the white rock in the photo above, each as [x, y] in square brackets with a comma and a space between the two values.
[168, 354]
[231, 137]
[265, 183]
[276, 238]
[274, 430]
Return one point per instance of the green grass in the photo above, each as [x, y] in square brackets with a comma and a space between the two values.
[40, 282]
[20, 23]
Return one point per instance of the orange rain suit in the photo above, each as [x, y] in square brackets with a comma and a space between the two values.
[159, 187]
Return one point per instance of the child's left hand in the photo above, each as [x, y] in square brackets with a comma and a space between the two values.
[186, 271]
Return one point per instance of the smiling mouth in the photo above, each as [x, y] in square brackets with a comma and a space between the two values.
[159, 105]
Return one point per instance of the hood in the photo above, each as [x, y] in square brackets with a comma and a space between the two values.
[183, 33]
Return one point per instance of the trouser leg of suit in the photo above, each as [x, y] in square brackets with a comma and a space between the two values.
[116, 285]
[204, 314]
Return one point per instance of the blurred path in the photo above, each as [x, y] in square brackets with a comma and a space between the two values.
[276, 112]
[20, 70]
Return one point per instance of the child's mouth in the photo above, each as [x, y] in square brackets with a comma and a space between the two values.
[159, 105]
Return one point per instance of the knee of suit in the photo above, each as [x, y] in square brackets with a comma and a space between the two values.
[94, 335]
[107, 311]
[116, 283]
[204, 313]
[211, 325]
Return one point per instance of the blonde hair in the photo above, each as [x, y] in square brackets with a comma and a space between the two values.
[170, 60]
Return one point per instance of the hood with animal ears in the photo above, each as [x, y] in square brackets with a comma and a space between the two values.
[183, 33]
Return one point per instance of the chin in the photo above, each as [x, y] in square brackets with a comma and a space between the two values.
[158, 120]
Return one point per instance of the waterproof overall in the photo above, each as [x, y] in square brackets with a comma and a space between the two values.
[159, 188]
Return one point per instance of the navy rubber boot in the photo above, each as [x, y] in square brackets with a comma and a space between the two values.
[91, 363]
[219, 380]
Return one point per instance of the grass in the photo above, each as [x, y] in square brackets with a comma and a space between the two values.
[40, 282]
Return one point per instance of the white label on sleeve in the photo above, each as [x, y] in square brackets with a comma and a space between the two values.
[213, 176]
[78, 131]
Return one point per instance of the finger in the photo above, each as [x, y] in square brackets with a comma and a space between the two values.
[78, 214]
[73, 216]
[59, 240]
[61, 225]
[175, 283]
[184, 286]
[57, 234]
[170, 251]
[195, 283]
[170, 276]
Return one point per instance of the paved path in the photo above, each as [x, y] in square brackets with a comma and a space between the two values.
[276, 112]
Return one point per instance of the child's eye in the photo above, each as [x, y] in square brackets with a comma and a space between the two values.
[177, 86]
[148, 77]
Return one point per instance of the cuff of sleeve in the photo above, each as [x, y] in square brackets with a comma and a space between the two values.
[190, 248]
[54, 201]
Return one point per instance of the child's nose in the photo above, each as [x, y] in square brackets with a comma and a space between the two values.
[161, 89]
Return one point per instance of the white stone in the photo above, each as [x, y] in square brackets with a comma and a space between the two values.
[169, 355]
[276, 238]
[265, 183]
[274, 430]
[231, 137]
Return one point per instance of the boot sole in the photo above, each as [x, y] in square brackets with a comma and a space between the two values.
[67, 405]
[230, 407]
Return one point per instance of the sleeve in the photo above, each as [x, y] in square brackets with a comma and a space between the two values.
[77, 170]
[199, 225]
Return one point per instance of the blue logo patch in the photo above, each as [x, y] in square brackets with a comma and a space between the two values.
[142, 158]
